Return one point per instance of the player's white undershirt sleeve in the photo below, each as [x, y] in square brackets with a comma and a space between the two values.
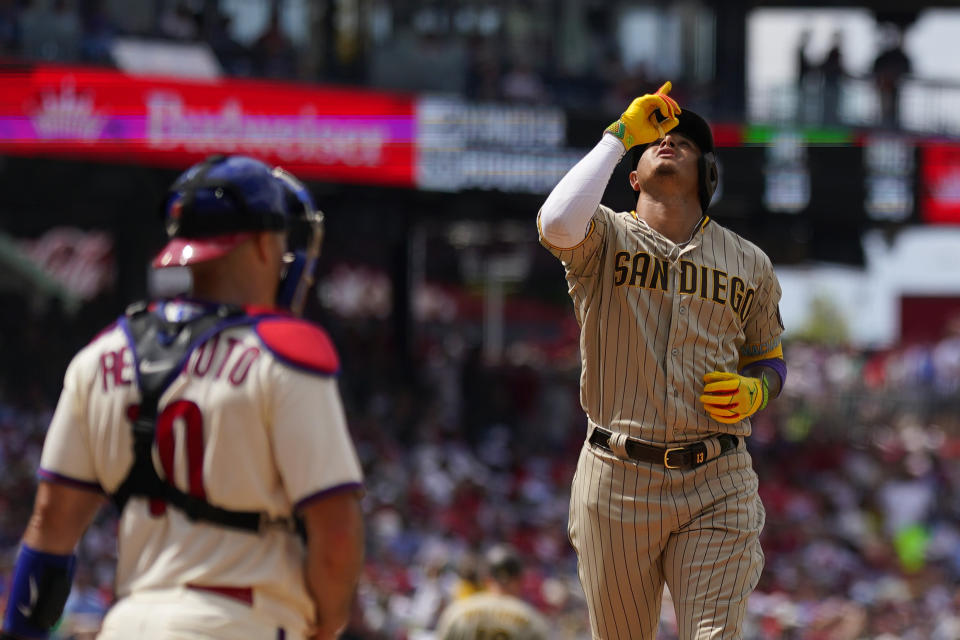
[565, 215]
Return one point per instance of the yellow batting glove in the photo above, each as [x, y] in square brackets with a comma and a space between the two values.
[639, 123]
[729, 397]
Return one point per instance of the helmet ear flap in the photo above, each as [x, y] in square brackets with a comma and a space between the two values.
[709, 178]
[299, 274]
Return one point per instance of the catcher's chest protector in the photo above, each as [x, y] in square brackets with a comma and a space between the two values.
[160, 349]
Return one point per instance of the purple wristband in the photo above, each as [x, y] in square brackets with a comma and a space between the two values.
[777, 364]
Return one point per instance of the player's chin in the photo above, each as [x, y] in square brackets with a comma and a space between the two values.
[665, 167]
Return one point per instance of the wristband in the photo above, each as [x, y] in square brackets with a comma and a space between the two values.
[38, 593]
[766, 391]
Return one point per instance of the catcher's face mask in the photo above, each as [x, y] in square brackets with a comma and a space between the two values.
[215, 205]
[304, 238]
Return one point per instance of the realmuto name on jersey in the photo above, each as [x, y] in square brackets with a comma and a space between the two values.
[220, 358]
[642, 270]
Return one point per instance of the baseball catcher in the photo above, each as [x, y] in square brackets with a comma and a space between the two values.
[213, 422]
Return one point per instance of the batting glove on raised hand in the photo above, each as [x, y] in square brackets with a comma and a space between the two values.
[639, 123]
[729, 397]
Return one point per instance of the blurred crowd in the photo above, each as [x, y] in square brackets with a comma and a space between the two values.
[84, 31]
[857, 463]
[820, 83]
[489, 54]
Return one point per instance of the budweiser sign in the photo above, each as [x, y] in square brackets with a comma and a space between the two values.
[320, 133]
[302, 137]
[63, 114]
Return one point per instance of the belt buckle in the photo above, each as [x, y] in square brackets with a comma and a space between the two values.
[666, 457]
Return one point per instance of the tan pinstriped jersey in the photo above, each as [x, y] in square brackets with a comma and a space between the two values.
[491, 616]
[245, 431]
[655, 316]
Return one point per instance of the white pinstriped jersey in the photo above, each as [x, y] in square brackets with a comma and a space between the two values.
[491, 616]
[238, 427]
[656, 316]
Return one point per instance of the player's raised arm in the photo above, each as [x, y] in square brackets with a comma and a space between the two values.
[565, 215]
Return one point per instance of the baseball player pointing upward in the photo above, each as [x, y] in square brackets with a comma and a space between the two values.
[215, 425]
[680, 345]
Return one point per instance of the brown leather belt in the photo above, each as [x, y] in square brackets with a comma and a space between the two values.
[686, 457]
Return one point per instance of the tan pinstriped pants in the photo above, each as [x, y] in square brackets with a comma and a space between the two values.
[636, 527]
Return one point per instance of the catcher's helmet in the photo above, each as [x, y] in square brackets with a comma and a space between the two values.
[696, 128]
[213, 206]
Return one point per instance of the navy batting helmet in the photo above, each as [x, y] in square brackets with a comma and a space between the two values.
[696, 128]
[215, 205]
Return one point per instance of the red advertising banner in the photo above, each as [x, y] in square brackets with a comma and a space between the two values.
[940, 178]
[320, 133]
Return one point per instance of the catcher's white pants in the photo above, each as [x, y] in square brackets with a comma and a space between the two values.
[176, 614]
